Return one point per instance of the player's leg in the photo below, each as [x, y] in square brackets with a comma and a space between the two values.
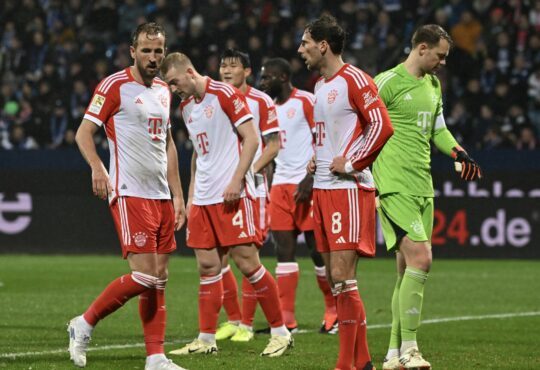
[210, 300]
[287, 274]
[152, 305]
[330, 322]
[246, 258]
[402, 219]
[230, 301]
[132, 228]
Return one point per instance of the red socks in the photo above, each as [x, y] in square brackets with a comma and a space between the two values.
[353, 348]
[267, 294]
[154, 317]
[249, 302]
[116, 294]
[210, 300]
[324, 286]
[287, 274]
[230, 295]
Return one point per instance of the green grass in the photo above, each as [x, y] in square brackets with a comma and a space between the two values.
[39, 294]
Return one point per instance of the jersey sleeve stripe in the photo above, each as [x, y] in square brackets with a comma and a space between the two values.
[262, 96]
[243, 119]
[358, 82]
[384, 80]
[358, 74]
[106, 89]
[373, 134]
[94, 119]
[270, 131]
[223, 87]
[109, 81]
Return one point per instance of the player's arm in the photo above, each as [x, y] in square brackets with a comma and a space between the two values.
[250, 143]
[193, 171]
[269, 152]
[173, 179]
[444, 140]
[101, 185]
[377, 132]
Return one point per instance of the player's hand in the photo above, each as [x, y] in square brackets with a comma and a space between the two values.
[311, 166]
[179, 213]
[304, 188]
[188, 205]
[232, 192]
[467, 167]
[101, 185]
[338, 165]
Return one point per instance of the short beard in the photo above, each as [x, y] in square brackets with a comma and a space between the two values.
[144, 74]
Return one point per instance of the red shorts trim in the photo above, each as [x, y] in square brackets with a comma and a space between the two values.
[344, 220]
[262, 203]
[144, 225]
[285, 213]
[218, 225]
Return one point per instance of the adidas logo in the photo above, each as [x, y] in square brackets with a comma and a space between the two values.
[407, 97]
[413, 311]
[242, 235]
[341, 240]
[138, 101]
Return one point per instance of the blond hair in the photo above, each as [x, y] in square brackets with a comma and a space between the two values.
[175, 60]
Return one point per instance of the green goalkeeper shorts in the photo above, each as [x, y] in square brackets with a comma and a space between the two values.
[403, 214]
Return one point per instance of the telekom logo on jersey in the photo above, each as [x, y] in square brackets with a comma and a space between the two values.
[202, 140]
[154, 127]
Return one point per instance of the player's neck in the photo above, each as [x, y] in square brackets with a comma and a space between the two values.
[243, 88]
[331, 66]
[413, 67]
[285, 93]
[200, 86]
[139, 78]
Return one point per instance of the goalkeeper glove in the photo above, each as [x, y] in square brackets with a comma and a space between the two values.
[468, 168]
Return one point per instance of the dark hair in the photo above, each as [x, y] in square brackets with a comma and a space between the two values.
[151, 29]
[280, 64]
[431, 34]
[326, 28]
[236, 54]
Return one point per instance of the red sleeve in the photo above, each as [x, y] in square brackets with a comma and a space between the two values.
[235, 107]
[372, 116]
[268, 122]
[104, 104]
[307, 106]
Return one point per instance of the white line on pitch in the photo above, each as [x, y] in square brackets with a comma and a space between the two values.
[376, 326]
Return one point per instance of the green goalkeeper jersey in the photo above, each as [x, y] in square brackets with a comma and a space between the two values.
[415, 109]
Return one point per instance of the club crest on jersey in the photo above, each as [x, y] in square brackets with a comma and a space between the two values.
[332, 95]
[208, 111]
[96, 104]
[238, 105]
[140, 239]
[369, 99]
[164, 101]
[417, 226]
[290, 113]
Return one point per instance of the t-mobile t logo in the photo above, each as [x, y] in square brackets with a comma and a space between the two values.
[15, 225]
[154, 128]
[202, 140]
[319, 133]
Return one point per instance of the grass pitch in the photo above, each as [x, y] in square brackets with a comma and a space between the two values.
[477, 315]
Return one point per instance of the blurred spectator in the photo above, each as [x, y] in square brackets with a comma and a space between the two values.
[19, 140]
[466, 33]
[527, 139]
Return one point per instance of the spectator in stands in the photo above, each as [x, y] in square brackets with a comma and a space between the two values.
[527, 139]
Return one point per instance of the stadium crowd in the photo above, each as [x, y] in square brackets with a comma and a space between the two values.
[53, 53]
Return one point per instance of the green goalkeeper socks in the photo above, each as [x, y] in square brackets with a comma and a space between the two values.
[395, 334]
[411, 296]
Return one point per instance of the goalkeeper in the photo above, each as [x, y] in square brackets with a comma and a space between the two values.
[412, 94]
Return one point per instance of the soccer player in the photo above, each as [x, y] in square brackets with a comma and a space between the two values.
[412, 94]
[352, 126]
[133, 106]
[234, 69]
[291, 212]
[222, 212]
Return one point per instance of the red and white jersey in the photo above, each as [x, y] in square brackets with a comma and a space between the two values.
[136, 120]
[212, 123]
[351, 121]
[266, 122]
[296, 128]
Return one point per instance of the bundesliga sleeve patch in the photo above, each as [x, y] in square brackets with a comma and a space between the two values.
[96, 104]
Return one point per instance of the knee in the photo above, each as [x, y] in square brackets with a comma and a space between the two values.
[163, 273]
[207, 268]
[423, 261]
[247, 265]
[338, 273]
